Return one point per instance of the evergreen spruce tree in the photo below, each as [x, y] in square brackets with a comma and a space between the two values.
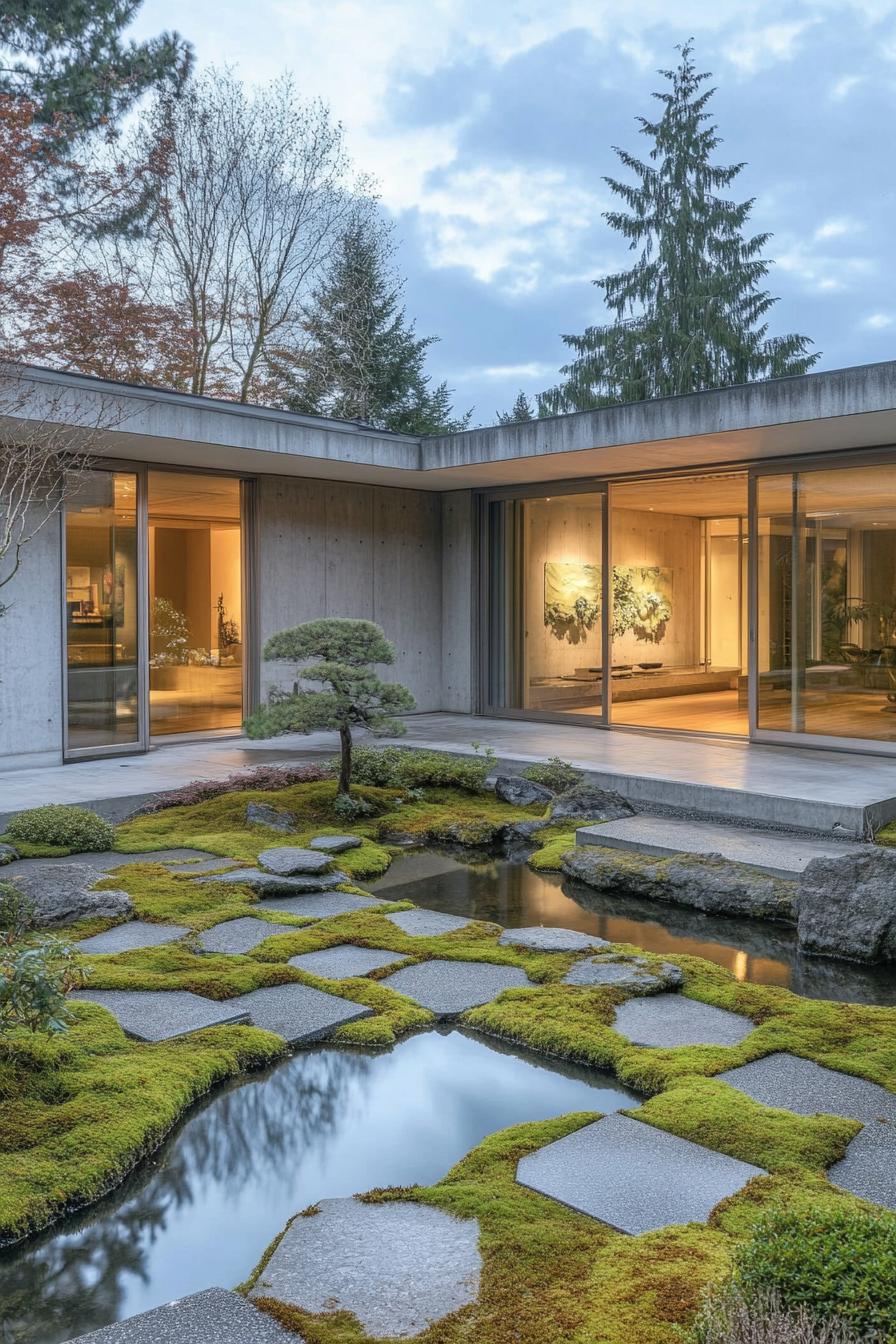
[520, 412]
[690, 314]
[364, 360]
[68, 59]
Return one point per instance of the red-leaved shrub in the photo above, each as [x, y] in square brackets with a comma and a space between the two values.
[263, 777]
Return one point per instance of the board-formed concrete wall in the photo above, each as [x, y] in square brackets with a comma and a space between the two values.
[459, 601]
[328, 548]
[31, 656]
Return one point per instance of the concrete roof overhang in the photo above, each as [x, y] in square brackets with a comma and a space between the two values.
[814, 414]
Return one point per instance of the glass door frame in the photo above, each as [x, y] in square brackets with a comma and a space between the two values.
[249, 586]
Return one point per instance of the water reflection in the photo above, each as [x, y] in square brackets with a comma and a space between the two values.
[513, 895]
[321, 1124]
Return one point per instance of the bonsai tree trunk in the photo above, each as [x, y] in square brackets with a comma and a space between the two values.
[345, 762]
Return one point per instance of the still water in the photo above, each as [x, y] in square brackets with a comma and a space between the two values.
[323, 1123]
[513, 895]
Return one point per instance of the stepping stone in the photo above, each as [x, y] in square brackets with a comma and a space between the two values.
[807, 1088]
[320, 904]
[334, 844]
[273, 884]
[236, 936]
[427, 923]
[628, 973]
[632, 1176]
[214, 1316]
[345, 959]
[778, 855]
[128, 937]
[190, 867]
[159, 1015]
[298, 1012]
[396, 1266]
[668, 1020]
[551, 940]
[288, 860]
[448, 988]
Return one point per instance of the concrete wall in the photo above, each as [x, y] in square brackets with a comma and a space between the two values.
[31, 656]
[335, 549]
[459, 601]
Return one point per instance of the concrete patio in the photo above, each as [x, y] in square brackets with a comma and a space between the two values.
[844, 793]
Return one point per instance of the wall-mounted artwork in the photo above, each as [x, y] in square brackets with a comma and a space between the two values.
[571, 598]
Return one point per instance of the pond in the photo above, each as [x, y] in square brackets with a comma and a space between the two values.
[321, 1124]
[510, 893]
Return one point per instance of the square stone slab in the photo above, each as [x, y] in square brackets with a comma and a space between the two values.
[334, 844]
[273, 884]
[158, 1015]
[632, 1176]
[235, 936]
[320, 904]
[668, 1020]
[287, 860]
[426, 923]
[448, 988]
[215, 1316]
[632, 973]
[552, 940]
[128, 937]
[397, 1266]
[800, 1085]
[345, 959]
[298, 1012]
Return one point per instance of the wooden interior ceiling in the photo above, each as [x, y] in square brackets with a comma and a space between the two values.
[710, 495]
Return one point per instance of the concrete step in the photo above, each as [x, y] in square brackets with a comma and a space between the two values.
[779, 855]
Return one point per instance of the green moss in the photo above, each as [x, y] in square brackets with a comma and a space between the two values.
[31, 850]
[548, 859]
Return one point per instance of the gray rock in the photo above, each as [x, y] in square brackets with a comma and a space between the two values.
[158, 1015]
[298, 1013]
[670, 1020]
[552, 940]
[288, 860]
[846, 905]
[703, 881]
[334, 844]
[128, 937]
[215, 1316]
[345, 959]
[427, 923]
[448, 988]
[631, 974]
[273, 884]
[592, 803]
[237, 936]
[7, 854]
[520, 792]
[397, 1266]
[319, 904]
[524, 830]
[633, 1176]
[275, 818]
[62, 893]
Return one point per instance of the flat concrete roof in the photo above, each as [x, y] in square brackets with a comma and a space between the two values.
[812, 413]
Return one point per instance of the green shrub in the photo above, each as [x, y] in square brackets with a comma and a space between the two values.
[17, 913]
[838, 1265]
[378, 767]
[349, 808]
[34, 980]
[72, 828]
[554, 774]
[396, 768]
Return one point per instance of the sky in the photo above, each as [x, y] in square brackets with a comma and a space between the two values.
[490, 126]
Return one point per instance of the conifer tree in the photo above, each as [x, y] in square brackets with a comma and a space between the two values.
[690, 314]
[520, 412]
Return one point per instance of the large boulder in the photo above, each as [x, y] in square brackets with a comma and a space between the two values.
[846, 905]
[521, 792]
[61, 893]
[589, 802]
[705, 882]
[275, 818]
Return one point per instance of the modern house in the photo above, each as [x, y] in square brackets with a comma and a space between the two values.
[721, 563]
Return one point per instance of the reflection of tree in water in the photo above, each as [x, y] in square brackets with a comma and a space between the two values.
[62, 1285]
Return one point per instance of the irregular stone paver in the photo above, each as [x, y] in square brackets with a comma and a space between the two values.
[274, 884]
[426, 923]
[396, 1266]
[447, 988]
[334, 844]
[800, 1085]
[629, 973]
[287, 860]
[320, 904]
[158, 1015]
[670, 1020]
[633, 1176]
[128, 937]
[215, 1316]
[298, 1012]
[551, 940]
[345, 959]
[63, 893]
[236, 936]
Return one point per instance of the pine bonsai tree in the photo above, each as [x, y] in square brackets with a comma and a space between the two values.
[365, 360]
[690, 314]
[355, 695]
[520, 412]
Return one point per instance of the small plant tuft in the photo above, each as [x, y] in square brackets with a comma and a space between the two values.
[554, 774]
[17, 913]
[35, 978]
[348, 807]
[727, 1317]
[60, 825]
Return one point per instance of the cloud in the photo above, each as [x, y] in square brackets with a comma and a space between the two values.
[878, 321]
[838, 228]
[755, 48]
[844, 86]
[534, 369]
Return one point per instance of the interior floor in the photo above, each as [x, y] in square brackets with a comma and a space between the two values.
[708, 712]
